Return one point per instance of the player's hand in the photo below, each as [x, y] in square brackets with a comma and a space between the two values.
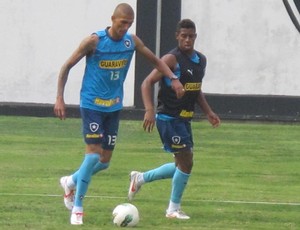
[214, 120]
[60, 108]
[178, 88]
[149, 120]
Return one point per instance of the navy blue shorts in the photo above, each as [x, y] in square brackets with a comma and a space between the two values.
[100, 127]
[175, 134]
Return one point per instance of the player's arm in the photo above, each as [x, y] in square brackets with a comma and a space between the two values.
[206, 109]
[86, 47]
[159, 65]
[146, 89]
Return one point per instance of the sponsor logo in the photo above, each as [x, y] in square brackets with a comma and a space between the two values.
[107, 103]
[192, 86]
[93, 135]
[186, 114]
[133, 189]
[178, 146]
[113, 64]
[190, 71]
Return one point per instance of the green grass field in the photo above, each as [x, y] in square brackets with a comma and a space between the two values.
[245, 176]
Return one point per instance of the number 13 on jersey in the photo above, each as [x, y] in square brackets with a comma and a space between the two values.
[114, 75]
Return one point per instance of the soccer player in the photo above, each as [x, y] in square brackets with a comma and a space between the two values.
[174, 115]
[108, 54]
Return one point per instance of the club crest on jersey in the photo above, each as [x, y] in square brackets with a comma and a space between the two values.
[127, 43]
[94, 126]
[176, 139]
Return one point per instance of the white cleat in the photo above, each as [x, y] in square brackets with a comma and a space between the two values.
[68, 193]
[178, 214]
[76, 218]
[134, 186]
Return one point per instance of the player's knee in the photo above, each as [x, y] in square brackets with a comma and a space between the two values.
[94, 148]
[185, 161]
[106, 156]
[188, 166]
[105, 165]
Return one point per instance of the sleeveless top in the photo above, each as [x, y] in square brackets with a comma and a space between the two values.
[190, 74]
[105, 73]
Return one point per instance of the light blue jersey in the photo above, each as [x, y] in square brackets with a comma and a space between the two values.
[105, 73]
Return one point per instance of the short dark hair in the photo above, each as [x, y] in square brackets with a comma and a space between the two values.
[185, 23]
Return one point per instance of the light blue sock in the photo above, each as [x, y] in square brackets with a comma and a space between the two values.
[179, 182]
[84, 176]
[98, 167]
[163, 172]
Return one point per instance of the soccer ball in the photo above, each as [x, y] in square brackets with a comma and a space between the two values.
[125, 215]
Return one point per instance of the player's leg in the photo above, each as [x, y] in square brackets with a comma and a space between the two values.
[68, 183]
[109, 140]
[93, 133]
[165, 171]
[99, 128]
[137, 179]
[101, 165]
[109, 125]
[84, 177]
[179, 141]
[184, 160]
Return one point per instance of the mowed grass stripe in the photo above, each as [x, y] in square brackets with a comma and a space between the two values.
[245, 176]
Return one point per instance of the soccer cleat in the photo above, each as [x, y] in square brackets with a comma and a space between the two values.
[178, 214]
[69, 193]
[76, 218]
[134, 187]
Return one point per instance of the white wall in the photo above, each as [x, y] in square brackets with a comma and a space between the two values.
[37, 36]
[251, 45]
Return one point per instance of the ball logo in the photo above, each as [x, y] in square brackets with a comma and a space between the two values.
[94, 126]
[127, 220]
[176, 139]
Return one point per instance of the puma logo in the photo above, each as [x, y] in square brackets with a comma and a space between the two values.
[190, 71]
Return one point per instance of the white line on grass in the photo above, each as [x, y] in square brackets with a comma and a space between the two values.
[118, 197]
